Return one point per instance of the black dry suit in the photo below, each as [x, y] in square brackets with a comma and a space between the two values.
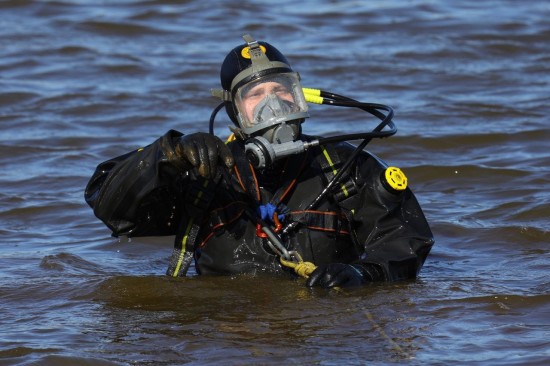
[146, 193]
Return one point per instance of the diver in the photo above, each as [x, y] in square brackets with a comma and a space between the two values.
[271, 199]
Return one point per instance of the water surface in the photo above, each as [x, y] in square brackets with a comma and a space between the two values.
[83, 81]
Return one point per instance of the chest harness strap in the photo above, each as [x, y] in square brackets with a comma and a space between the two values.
[201, 193]
[273, 210]
[198, 200]
[330, 162]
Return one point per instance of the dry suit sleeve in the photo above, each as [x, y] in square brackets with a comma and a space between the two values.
[139, 193]
[391, 228]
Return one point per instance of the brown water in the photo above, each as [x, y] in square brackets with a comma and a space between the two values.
[83, 81]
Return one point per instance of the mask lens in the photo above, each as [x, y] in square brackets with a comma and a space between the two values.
[270, 100]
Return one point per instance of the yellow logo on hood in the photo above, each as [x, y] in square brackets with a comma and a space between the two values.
[245, 52]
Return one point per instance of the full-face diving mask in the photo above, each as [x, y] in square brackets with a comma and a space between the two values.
[270, 110]
[269, 103]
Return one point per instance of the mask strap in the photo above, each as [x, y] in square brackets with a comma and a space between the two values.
[257, 56]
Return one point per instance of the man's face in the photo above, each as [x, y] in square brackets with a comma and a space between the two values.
[258, 92]
[269, 100]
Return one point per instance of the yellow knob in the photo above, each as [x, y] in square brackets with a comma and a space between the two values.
[396, 178]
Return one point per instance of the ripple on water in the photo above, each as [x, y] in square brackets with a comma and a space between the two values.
[82, 83]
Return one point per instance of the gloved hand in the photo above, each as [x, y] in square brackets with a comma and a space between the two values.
[336, 274]
[203, 151]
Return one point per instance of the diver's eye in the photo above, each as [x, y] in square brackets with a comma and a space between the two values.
[281, 91]
[254, 94]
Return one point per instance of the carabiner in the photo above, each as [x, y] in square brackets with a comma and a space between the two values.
[275, 243]
[278, 226]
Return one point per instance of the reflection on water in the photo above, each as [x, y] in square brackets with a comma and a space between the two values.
[83, 82]
[269, 319]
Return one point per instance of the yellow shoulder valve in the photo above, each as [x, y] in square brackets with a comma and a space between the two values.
[396, 179]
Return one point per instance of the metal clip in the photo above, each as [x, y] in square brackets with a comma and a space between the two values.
[275, 243]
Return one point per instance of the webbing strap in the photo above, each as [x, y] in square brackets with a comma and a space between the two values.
[246, 176]
[322, 220]
[222, 216]
[292, 170]
[244, 172]
[330, 163]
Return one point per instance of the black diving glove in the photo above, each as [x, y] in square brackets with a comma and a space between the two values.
[203, 151]
[344, 275]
